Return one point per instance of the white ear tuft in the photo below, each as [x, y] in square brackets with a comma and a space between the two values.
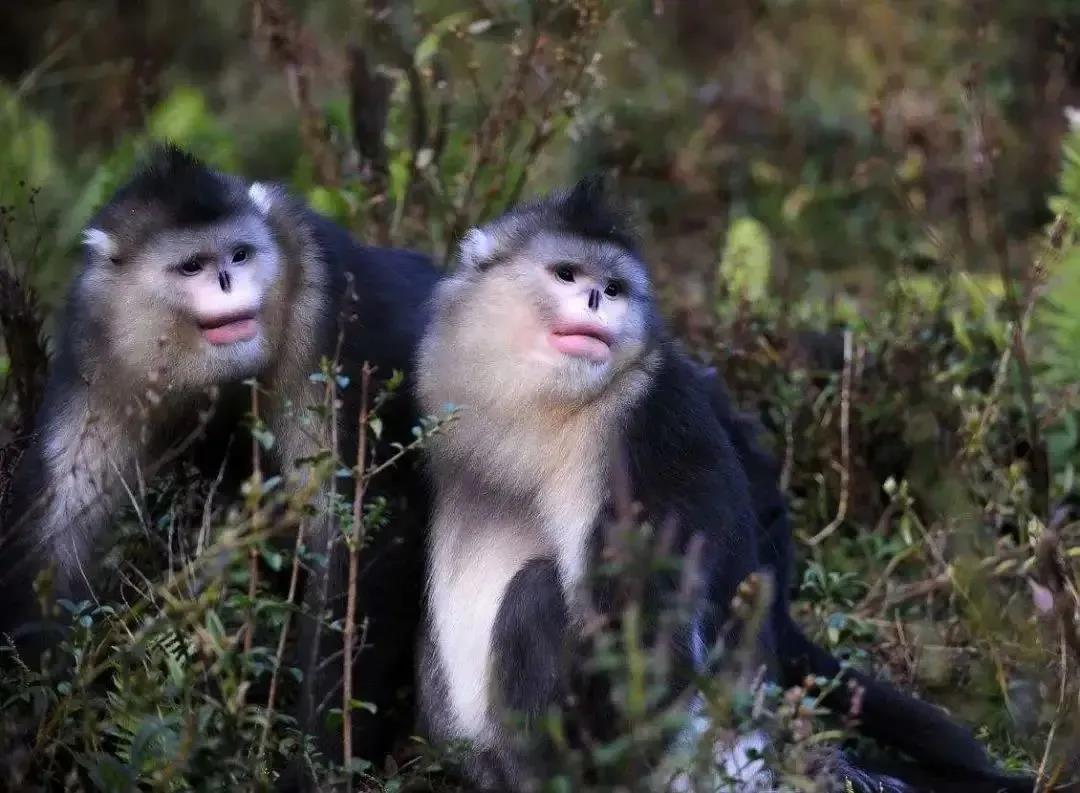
[261, 196]
[99, 241]
[477, 246]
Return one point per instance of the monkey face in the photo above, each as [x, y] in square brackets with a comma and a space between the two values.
[588, 312]
[188, 305]
[555, 321]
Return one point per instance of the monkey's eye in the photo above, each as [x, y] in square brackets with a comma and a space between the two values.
[241, 254]
[564, 272]
[192, 266]
[614, 289]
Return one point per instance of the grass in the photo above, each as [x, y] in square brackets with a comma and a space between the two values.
[925, 421]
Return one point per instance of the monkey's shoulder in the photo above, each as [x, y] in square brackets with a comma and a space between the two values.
[683, 461]
[396, 273]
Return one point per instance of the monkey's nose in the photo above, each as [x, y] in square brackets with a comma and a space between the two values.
[594, 299]
[224, 281]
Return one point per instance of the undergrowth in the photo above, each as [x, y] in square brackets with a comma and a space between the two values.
[927, 430]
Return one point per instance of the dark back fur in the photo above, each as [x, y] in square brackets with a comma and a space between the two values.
[379, 310]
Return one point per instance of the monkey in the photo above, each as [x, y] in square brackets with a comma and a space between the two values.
[547, 341]
[193, 282]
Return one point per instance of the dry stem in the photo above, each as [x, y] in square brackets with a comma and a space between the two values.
[253, 552]
[355, 541]
[845, 445]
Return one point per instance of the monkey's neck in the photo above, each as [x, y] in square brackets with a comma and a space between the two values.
[544, 473]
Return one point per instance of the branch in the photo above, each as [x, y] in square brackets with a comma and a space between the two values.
[279, 39]
[845, 445]
[355, 542]
[1055, 575]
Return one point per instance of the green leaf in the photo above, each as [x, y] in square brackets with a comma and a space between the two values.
[746, 261]
[216, 629]
[274, 559]
[359, 765]
[356, 704]
[429, 44]
[108, 773]
[155, 738]
[264, 437]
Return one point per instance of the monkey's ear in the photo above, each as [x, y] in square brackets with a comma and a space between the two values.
[476, 248]
[100, 242]
[262, 196]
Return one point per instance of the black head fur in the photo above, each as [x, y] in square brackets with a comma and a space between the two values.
[585, 211]
[588, 211]
[180, 187]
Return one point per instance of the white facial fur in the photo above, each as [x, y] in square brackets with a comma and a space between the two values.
[156, 315]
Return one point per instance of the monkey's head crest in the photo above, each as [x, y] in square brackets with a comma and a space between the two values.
[589, 211]
[188, 192]
[586, 211]
[171, 189]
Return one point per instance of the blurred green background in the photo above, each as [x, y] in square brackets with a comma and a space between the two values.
[849, 138]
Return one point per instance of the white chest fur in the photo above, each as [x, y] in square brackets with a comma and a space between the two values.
[474, 560]
[472, 567]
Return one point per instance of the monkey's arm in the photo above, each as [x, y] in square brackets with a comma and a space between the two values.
[528, 661]
[67, 485]
[528, 640]
[87, 459]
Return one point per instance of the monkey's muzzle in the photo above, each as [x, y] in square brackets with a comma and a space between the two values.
[583, 340]
[230, 329]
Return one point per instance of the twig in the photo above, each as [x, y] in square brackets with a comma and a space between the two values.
[318, 587]
[208, 505]
[279, 654]
[879, 585]
[489, 129]
[789, 452]
[1055, 574]
[982, 194]
[845, 445]
[280, 38]
[1042, 779]
[997, 566]
[440, 78]
[355, 541]
[256, 487]
[335, 657]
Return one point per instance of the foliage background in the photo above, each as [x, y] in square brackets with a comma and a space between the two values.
[862, 212]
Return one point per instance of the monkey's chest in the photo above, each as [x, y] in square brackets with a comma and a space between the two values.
[477, 552]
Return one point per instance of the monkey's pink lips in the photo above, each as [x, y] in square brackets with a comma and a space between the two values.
[583, 340]
[229, 329]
